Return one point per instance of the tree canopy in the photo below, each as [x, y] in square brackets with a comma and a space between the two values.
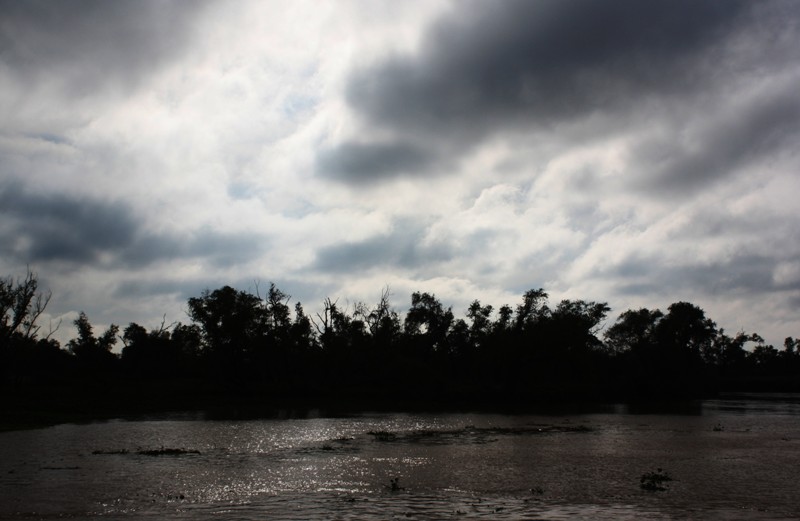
[263, 347]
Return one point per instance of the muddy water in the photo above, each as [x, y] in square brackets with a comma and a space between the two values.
[728, 459]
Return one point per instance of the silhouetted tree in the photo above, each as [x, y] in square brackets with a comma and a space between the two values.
[481, 323]
[504, 316]
[532, 309]
[21, 305]
[332, 326]
[790, 359]
[232, 323]
[278, 315]
[155, 353]
[791, 347]
[93, 353]
[428, 319]
[261, 347]
[634, 331]
[765, 356]
[302, 330]
[188, 338]
[728, 353]
[686, 329]
[577, 323]
[383, 322]
[23, 355]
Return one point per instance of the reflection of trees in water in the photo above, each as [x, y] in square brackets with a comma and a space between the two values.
[259, 346]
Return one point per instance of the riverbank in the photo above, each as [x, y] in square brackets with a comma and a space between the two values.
[28, 406]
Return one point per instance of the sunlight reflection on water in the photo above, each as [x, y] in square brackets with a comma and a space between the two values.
[460, 466]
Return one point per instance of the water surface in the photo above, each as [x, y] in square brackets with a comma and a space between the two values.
[729, 459]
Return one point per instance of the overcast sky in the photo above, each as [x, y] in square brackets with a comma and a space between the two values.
[638, 153]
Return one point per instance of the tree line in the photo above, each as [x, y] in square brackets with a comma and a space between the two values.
[260, 347]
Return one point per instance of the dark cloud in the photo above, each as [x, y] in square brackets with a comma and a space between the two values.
[538, 60]
[404, 247]
[56, 227]
[368, 162]
[765, 129]
[490, 67]
[217, 248]
[144, 288]
[43, 228]
[748, 273]
[182, 289]
[83, 46]
[759, 253]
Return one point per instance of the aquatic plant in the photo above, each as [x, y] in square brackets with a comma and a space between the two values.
[654, 481]
[473, 435]
[167, 452]
[394, 485]
[120, 451]
[382, 435]
[163, 451]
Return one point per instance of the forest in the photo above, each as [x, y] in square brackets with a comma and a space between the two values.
[244, 347]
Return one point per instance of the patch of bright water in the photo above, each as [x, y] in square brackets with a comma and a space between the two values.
[735, 459]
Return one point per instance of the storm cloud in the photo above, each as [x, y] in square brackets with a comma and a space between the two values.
[81, 48]
[486, 69]
[42, 228]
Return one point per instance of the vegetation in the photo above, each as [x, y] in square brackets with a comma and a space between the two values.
[257, 349]
[163, 451]
[654, 481]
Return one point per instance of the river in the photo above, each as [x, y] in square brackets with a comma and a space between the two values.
[735, 458]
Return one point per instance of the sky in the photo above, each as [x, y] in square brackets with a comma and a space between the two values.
[635, 153]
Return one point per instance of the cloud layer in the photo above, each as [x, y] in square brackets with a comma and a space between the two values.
[631, 152]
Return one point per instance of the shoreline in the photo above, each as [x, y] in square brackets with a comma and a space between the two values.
[40, 410]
